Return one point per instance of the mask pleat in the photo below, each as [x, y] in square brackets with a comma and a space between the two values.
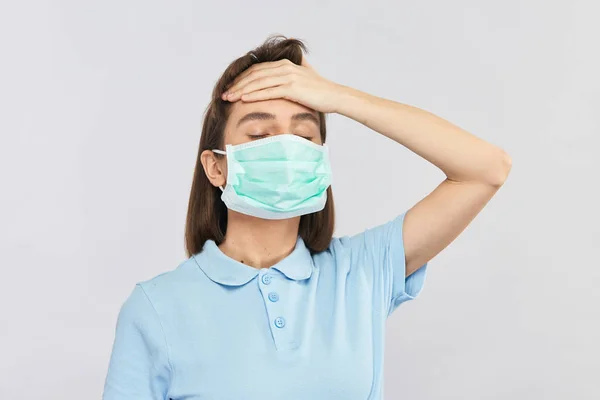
[281, 196]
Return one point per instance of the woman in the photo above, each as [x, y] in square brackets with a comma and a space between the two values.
[268, 305]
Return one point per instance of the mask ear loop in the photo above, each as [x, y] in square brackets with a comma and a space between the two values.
[223, 153]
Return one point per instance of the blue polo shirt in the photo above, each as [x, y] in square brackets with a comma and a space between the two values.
[310, 327]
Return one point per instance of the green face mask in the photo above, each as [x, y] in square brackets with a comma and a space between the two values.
[278, 177]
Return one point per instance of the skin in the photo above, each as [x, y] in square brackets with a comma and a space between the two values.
[474, 169]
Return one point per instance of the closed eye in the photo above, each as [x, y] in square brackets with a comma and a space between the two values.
[259, 136]
[264, 135]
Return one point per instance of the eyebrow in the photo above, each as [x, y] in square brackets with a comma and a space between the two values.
[264, 116]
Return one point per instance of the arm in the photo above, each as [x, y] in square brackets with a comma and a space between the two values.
[474, 170]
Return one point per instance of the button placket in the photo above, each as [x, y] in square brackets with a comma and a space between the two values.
[270, 286]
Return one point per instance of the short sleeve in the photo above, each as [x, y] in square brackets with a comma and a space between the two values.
[380, 251]
[139, 364]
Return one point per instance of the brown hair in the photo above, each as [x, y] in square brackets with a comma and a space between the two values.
[207, 214]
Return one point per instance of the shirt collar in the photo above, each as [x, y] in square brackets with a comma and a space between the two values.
[220, 268]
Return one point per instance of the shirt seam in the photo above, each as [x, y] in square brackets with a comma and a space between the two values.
[397, 223]
[170, 364]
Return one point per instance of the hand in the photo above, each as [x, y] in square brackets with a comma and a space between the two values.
[285, 80]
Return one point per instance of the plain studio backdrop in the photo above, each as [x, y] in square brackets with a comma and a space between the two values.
[101, 110]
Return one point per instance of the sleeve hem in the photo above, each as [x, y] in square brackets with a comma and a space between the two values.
[405, 288]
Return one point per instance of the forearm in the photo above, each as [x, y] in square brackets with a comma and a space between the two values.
[459, 154]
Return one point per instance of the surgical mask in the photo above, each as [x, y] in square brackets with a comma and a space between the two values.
[278, 177]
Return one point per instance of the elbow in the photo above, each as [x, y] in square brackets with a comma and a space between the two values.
[500, 169]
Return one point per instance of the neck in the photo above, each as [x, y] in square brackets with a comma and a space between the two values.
[259, 243]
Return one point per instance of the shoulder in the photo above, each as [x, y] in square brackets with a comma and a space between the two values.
[343, 248]
[170, 283]
[366, 250]
[340, 247]
[337, 258]
[371, 239]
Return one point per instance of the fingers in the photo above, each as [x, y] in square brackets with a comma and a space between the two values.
[260, 68]
[258, 85]
[254, 79]
[258, 74]
[259, 71]
[277, 92]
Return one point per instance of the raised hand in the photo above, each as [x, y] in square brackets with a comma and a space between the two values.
[285, 80]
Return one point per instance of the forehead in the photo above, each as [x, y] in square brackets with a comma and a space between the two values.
[283, 109]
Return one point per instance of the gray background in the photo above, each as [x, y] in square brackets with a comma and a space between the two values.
[101, 106]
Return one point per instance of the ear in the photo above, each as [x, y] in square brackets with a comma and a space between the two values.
[215, 167]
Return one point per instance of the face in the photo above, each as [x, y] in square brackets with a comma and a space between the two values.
[252, 121]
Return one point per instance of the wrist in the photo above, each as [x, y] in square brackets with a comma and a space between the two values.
[348, 100]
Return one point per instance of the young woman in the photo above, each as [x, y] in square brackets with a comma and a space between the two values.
[268, 305]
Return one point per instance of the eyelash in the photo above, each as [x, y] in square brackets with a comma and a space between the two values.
[259, 136]
[264, 135]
